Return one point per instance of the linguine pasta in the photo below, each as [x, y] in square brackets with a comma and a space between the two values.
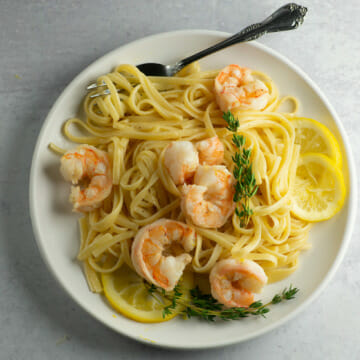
[136, 122]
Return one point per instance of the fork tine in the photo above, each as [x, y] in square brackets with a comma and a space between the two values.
[95, 85]
[105, 92]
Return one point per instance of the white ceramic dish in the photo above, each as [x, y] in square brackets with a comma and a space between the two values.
[56, 230]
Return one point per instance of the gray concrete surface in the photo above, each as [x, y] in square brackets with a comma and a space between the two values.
[43, 45]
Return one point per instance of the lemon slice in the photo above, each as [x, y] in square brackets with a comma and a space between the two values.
[319, 189]
[126, 292]
[315, 137]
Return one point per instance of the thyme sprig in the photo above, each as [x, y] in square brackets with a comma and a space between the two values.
[245, 182]
[174, 297]
[204, 306]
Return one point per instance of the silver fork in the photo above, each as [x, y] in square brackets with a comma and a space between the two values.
[288, 17]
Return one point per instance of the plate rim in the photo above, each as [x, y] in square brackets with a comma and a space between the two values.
[350, 221]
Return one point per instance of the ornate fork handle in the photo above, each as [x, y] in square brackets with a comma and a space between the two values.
[287, 17]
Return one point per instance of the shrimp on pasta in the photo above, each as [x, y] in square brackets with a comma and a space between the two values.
[235, 88]
[209, 201]
[154, 252]
[211, 151]
[87, 162]
[233, 282]
[181, 159]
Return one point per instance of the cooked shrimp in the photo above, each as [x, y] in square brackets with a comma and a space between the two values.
[181, 159]
[152, 250]
[87, 162]
[235, 87]
[209, 202]
[233, 282]
[211, 151]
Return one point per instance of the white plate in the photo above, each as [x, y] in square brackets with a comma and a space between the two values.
[56, 230]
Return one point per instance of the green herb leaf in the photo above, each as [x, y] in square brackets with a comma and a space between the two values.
[276, 299]
[256, 305]
[245, 182]
[232, 122]
[290, 293]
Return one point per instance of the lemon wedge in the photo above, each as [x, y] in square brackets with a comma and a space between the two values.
[315, 137]
[319, 189]
[126, 292]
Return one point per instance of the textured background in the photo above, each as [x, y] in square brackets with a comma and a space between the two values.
[43, 45]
